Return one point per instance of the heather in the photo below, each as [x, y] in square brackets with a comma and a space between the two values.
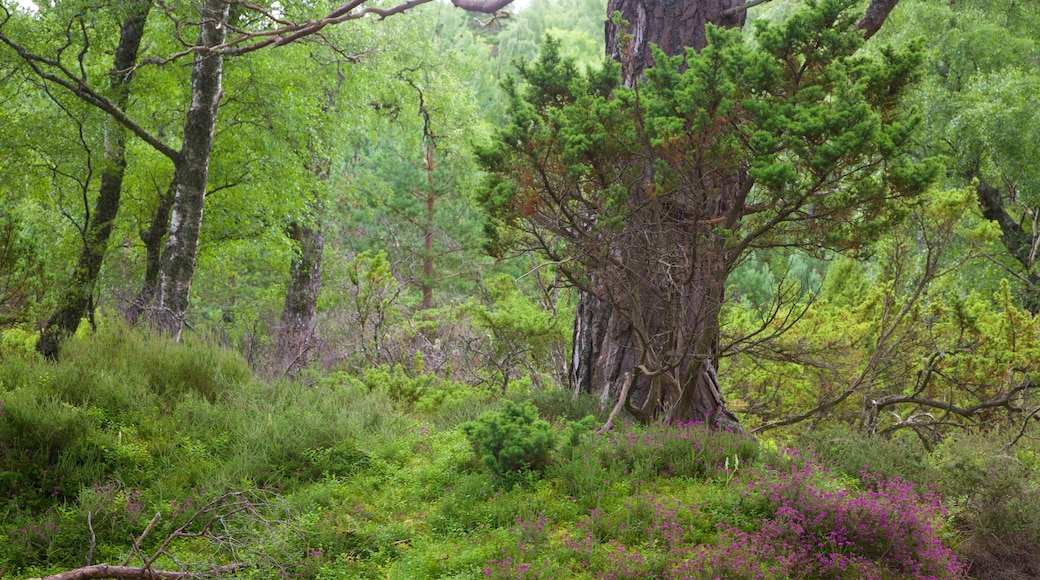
[333, 478]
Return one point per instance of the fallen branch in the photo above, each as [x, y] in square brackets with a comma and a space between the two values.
[100, 571]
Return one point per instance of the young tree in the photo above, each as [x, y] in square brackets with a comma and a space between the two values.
[647, 193]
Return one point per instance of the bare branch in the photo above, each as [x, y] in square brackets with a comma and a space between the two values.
[106, 571]
[998, 401]
[1022, 431]
[483, 6]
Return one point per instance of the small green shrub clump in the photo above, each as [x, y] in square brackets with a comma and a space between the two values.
[512, 442]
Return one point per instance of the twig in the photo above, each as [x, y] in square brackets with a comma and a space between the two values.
[1022, 431]
[137, 543]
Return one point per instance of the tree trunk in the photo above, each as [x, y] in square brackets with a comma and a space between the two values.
[431, 200]
[664, 348]
[192, 172]
[671, 25]
[1021, 244]
[77, 300]
[296, 333]
[611, 348]
[153, 244]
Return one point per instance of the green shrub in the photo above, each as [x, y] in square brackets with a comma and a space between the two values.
[556, 404]
[995, 501]
[850, 452]
[413, 390]
[513, 441]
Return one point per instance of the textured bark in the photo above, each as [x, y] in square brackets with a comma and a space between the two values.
[103, 571]
[77, 300]
[612, 346]
[192, 171]
[665, 340]
[876, 15]
[107, 571]
[672, 25]
[296, 336]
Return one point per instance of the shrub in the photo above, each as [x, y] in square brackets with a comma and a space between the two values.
[676, 450]
[849, 452]
[513, 441]
[413, 390]
[820, 530]
[996, 502]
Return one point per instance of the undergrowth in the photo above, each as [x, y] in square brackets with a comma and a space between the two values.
[391, 476]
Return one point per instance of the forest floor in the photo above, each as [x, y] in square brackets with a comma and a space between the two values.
[135, 451]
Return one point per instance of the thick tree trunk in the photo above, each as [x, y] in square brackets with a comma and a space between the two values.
[672, 25]
[192, 172]
[662, 350]
[296, 333]
[77, 300]
[670, 357]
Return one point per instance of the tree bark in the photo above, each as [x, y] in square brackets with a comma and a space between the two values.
[153, 244]
[191, 174]
[1021, 244]
[608, 348]
[671, 25]
[296, 333]
[77, 300]
[110, 572]
[875, 16]
[612, 347]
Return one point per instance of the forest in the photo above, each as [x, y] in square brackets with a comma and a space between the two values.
[592, 289]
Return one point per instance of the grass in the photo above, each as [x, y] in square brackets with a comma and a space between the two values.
[336, 477]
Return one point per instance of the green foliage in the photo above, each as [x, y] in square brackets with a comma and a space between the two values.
[417, 390]
[524, 335]
[977, 98]
[340, 481]
[853, 454]
[732, 102]
[25, 279]
[994, 503]
[18, 342]
[901, 325]
[512, 442]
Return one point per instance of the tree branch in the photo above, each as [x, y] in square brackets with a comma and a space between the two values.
[743, 7]
[875, 16]
[103, 571]
[291, 32]
[83, 91]
[998, 401]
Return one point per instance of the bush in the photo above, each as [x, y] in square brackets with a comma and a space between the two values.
[996, 502]
[850, 452]
[513, 441]
[820, 530]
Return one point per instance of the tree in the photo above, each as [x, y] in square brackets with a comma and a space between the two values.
[218, 36]
[648, 193]
[78, 296]
[979, 96]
